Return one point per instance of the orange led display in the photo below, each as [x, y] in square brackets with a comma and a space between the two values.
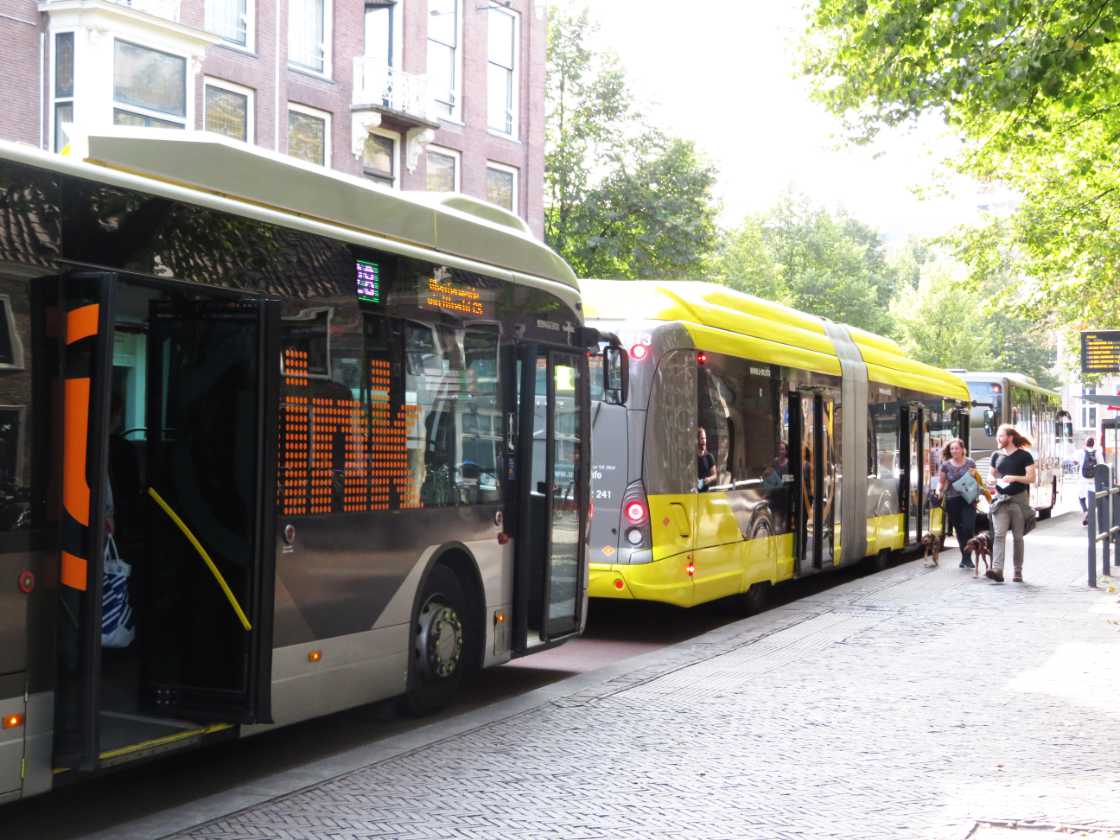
[458, 300]
[324, 439]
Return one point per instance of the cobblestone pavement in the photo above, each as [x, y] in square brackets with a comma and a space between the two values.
[914, 703]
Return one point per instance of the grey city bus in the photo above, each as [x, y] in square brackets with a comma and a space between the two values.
[340, 435]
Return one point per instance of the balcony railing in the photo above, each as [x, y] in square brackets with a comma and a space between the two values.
[375, 83]
[166, 9]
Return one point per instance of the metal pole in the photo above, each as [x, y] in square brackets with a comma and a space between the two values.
[1092, 520]
[1103, 482]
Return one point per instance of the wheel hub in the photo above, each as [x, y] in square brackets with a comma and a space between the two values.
[439, 640]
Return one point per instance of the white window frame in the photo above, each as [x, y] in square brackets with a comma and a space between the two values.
[1089, 408]
[250, 45]
[52, 135]
[396, 138]
[328, 40]
[456, 115]
[398, 34]
[516, 173]
[451, 153]
[9, 317]
[515, 74]
[241, 90]
[327, 134]
[188, 88]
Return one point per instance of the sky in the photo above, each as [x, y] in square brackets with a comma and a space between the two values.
[723, 73]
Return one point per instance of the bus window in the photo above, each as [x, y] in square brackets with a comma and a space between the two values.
[669, 464]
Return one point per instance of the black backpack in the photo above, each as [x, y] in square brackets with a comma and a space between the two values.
[1089, 465]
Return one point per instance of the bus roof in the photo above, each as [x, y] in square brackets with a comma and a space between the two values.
[1020, 379]
[713, 306]
[201, 161]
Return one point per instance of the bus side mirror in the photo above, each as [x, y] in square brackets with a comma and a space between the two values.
[616, 374]
[989, 422]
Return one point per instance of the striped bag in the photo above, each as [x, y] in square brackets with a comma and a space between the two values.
[118, 625]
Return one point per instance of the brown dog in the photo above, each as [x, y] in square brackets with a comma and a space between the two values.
[931, 545]
[981, 548]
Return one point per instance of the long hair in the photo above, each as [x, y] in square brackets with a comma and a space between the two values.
[1013, 433]
[946, 451]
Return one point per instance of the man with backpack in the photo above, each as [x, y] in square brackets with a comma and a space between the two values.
[1088, 468]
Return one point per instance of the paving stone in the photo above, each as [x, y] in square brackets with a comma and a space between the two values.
[913, 703]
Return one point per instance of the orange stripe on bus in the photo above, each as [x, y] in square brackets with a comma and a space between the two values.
[82, 322]
[74, 571]
[75, 489]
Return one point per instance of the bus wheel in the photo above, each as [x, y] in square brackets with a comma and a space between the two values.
[1044, 513]
[756, 597]
[438, 649]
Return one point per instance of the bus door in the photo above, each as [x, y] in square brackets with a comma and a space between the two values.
[213, 371]
[198, 377]
[916, 479]
[551, 396]
[814, 427]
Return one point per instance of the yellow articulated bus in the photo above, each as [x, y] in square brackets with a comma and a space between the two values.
[824, 442]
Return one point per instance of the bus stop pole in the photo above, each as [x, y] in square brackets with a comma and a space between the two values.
[1092, 521]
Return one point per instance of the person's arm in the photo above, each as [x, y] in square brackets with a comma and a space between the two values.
[712, 475]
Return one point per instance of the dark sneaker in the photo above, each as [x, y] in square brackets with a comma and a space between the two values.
[994, 575]
[967, 564]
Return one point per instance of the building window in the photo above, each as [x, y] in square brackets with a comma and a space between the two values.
[379, 158]
[381, 31]
[149, 87]
[443, 56]
[309, 34]
[1089, 409]
[309, 134]
[443, 170]
[501, 186]
[229, 110]
[63, 89]
[231, 19]
[11, 346]
[501, 72]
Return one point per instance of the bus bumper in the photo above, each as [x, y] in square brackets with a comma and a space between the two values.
[665, 581]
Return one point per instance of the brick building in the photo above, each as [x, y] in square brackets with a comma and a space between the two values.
[440, 95]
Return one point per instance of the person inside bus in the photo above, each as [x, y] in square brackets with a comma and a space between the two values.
[1086, 465]
[961, 512]
[1014, 472]
[705, 462]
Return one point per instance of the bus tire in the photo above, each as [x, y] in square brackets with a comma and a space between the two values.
[757, 596]
[1045, 513]
[439, 644]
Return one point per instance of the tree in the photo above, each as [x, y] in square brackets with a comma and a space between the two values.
[621, 200]
[804, 256]
[1033, 88]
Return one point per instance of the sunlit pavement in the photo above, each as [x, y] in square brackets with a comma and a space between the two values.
[916, 702]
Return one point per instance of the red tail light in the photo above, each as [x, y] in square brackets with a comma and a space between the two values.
[635, 511]
[639, 352]
[702, 358]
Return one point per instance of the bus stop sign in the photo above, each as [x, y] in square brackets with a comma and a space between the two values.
[1100, 351]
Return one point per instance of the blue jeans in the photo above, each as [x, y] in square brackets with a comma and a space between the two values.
[962, 516]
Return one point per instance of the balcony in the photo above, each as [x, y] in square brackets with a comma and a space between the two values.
[404, 96]
[164, 9]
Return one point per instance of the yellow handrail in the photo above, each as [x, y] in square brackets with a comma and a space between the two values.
[202, 553]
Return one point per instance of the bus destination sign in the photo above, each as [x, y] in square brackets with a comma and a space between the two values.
[439, 293]
[1100, 351]
[367, 281]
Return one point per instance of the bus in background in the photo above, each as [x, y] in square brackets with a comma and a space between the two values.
[826, 441]
[340, 434]
[1001, 397]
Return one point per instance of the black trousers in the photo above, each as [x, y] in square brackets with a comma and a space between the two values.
[962, 516]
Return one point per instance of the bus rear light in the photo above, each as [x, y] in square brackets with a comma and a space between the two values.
[12, 721]
[499, 617]
[503, 538]
[702, 358]
[314, 656]
[635, 511]
[639, 352]
[618, 583]
[634, 536]
[690, 568]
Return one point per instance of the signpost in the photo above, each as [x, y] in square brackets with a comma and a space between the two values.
[1100, 351]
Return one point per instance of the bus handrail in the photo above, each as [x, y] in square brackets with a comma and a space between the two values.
[206, 557]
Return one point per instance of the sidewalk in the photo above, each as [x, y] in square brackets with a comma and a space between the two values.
[913, 703]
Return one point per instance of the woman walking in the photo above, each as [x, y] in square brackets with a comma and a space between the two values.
[1014, 471]
[955, 464]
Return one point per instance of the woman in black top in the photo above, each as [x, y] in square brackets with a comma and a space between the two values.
[1014, 471]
